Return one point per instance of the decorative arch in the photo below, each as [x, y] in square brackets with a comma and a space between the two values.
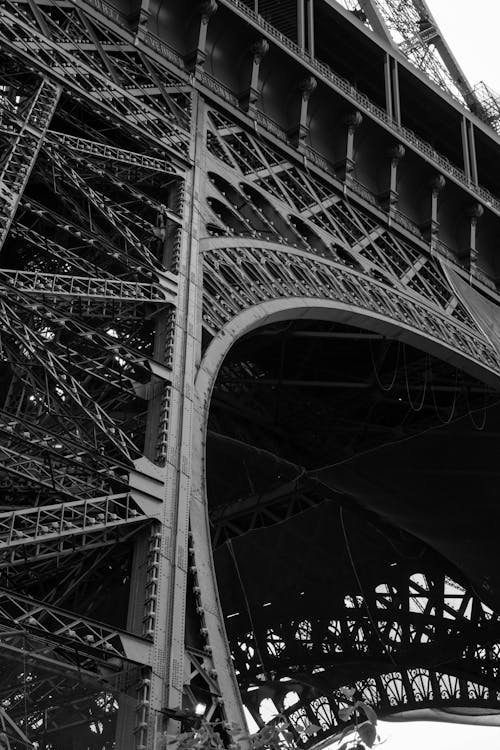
[248, 286]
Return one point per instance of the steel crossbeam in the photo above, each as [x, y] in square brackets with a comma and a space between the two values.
[266, 509]
[112, 153]
[72, 389]
[80, 66]
[64, 666]
[44, 472]
[38, 533]
[40, 242]
[34, 455]
[16, 165]
[22, 613]
[42, 439]
[87, 239]
[117, 215]
[116, 355]
[50, 284]
[101, 173]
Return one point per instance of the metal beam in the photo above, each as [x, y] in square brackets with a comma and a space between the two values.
[17, 163]
[23, 615]
[34, 534]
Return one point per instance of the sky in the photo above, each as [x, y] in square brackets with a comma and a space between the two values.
[471, 29]
[433, 735]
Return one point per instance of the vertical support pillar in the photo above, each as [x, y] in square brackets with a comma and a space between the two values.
[353, 121]
[126, 722]
[395, 91]
[465, 147]
[249, 98]
[299, 133]
[166, 554]
[390, 197]
[472, 153]
[196, 59]
[388, 85]
[301, 25]
[310, 27]
[474, 212]
[431, 227]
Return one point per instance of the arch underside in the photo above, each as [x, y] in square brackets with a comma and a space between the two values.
[320, 585]
[326, 578]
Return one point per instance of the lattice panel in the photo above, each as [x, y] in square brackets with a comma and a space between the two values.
[258, 193]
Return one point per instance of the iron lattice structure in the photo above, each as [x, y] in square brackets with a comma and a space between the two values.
[246, 249]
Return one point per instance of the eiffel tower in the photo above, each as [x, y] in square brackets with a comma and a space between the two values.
[250, 368]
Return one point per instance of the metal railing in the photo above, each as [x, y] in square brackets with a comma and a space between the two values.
[346, 88]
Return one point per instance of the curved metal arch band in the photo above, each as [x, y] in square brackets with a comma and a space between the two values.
[240, 275]
[239, 317]
[390, 693]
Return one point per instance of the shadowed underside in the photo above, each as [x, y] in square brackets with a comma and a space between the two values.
[341, 466]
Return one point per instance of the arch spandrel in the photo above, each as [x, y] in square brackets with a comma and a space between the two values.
[283, 246]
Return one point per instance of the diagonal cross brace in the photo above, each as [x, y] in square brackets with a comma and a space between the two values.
[69, 386]
[46, 530]
[70, 630]
[25, 145]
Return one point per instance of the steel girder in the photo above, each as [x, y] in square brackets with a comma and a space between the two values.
[101, 341]
[17, 161]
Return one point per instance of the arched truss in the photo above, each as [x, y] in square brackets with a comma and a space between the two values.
[393, 622]
[417, 640]
[280, 233]
[388, 693]
[284, 245]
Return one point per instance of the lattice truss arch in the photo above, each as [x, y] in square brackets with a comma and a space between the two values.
[94, 141]
[390, 635]
[275, 230]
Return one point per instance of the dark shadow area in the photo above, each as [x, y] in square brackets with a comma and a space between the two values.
[352, 486]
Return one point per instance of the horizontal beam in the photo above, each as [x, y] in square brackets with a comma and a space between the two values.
[42, 532]
[127, 99]
[54, 285]
[20, 613]
[112, 153]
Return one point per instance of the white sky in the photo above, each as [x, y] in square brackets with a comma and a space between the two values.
[470, 28]
[433, 735]
[472, 31]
